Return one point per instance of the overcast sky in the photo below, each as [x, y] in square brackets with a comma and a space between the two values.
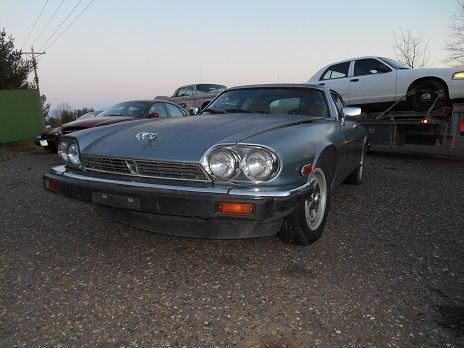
[123, 50]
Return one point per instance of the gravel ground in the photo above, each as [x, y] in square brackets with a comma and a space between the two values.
[387, 272]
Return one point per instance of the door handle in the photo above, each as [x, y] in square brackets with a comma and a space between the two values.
[322, 84]
[354, 80]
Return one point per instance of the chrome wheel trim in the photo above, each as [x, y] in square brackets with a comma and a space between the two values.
[361, 165]
[316, 204]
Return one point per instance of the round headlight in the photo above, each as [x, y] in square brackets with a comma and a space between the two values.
[223, 164]
[63, 151]
[258, 165]
[73, 154]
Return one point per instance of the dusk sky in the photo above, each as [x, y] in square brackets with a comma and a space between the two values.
[123, 50]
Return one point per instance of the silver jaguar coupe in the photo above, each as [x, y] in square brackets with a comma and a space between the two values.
[257, 161]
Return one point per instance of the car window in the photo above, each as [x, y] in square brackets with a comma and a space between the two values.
[209, 88]
[133, 109]
[339, 103]
[292, 101]
[185, 91]
[174, 111]
[159, 109]
[336, 71]
[369, 66]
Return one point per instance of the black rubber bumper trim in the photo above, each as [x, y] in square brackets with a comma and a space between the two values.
[160, 210]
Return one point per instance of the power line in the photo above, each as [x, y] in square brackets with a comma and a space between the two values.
[75, 19]
[59, 26]
[46, 25]
[40, 14]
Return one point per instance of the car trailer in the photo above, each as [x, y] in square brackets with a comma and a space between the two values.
[398, 128]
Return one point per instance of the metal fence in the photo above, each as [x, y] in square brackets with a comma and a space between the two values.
[21, 116]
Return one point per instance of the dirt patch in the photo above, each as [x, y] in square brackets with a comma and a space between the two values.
[11, 150]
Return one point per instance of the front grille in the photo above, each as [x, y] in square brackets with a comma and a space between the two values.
[143, 168]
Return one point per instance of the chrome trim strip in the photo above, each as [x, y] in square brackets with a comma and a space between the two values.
[251, 192]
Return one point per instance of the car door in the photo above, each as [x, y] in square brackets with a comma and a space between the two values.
[372, 82]
[353, 137]
[336, 77]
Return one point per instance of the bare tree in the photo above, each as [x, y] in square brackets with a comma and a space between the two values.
[455, 46]
[411, 49]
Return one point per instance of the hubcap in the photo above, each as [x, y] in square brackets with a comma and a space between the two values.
[426, 96]
[316, 204]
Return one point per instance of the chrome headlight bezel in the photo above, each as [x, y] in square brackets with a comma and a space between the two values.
[68, 150]
[243, 173]
[266, 171]
[229, 158]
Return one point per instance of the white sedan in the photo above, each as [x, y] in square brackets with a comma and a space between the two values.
[368, 80]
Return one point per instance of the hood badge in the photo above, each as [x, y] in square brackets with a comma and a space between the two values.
[146, 136]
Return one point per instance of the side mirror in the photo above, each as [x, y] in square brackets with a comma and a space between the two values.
[194, 111]
[350, 111]
[153, 115]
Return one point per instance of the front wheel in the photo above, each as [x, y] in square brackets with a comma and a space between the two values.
[305, 225]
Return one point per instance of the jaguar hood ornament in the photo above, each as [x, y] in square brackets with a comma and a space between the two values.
[146, 136]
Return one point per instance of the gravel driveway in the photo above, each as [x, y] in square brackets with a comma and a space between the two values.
[389, 270]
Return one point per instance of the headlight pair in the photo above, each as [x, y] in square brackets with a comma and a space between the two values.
[255, 163]
[69, 151]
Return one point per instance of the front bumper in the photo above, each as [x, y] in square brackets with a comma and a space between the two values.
[179, 210]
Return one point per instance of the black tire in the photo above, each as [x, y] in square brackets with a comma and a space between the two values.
[355, 178]
[426, 93]
[305, 225]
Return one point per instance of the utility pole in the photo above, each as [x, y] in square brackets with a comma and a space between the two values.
[34, 65]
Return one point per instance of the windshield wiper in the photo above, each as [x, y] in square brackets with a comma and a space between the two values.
[243, 111]
[212, 111]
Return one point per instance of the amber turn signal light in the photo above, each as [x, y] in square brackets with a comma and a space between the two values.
[235, 208]
[51, 184]
[306, 170]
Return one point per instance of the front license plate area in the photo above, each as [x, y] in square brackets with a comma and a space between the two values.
[116, 201]
[43, 143]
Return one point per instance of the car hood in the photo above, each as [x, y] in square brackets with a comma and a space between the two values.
[182, 139]
[50, 131]
[96, 122]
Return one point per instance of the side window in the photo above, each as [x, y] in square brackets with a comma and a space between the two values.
[174, 111]
[369, 66]
[185, 91]
[134, 111]
[339, 103]
[159, 109]
[336, 71]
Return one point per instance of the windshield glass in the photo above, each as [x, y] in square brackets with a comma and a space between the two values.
[394, 64]
[271, 100]
[131, 109]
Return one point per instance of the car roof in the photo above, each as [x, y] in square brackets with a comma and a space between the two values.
[355, 58]
[277, 85]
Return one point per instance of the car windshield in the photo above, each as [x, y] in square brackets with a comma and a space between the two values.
[394, 64]
[131, 109]
[271, 100]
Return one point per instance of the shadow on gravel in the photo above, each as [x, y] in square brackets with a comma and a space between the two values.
[452, 319]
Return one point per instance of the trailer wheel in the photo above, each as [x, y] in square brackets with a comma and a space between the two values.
[427, 92]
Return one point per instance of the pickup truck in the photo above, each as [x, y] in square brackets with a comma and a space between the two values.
[195, 96]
